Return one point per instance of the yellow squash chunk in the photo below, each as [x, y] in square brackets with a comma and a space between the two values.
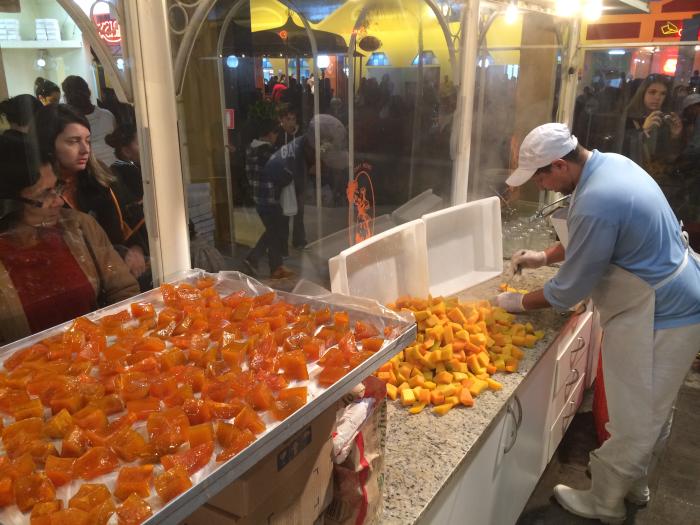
[416, 408]
[493, 384]
[407, 397]
[391, 391]
[443, 409]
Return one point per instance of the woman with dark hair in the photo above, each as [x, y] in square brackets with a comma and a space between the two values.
[19, 112]
[128, 190]
[64, 140]
[102, 121]
[55, 263]
[46, 91]
[650, 134]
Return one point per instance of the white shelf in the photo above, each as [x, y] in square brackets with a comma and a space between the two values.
[41, 44]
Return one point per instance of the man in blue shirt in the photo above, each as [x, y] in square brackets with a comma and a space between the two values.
[626, 251]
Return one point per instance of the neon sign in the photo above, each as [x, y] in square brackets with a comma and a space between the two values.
[360, 195]
[109, 30]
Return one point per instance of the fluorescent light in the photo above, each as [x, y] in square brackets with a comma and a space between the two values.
[323, 61]
[592, 10]
[511, 13]
[617, 52]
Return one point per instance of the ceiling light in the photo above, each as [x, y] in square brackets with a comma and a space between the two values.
[511, 13]
[567, 8]
[592, 10]
[323, 61]
[232, 61]
[616, 52]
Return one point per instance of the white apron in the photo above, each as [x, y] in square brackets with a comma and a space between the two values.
[642, 369]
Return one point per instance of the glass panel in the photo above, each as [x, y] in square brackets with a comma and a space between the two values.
[380, 157]
[644, 103]
[518, 83]
[72, 233]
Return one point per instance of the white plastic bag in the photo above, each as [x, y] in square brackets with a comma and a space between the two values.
[288, 200]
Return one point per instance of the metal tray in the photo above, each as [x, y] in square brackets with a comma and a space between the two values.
[224, 474]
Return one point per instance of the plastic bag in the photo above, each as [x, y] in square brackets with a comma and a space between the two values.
[288, 200]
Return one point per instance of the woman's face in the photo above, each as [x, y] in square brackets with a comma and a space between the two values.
[43, 202]
[655, 96]
[73, 148]
[52, 98]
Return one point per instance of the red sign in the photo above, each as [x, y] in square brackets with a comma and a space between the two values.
[108, 29]
[229, 118]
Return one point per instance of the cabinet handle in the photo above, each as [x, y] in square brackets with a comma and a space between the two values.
[577, 375]
[517, 419]
[565, 420]
[580, 344]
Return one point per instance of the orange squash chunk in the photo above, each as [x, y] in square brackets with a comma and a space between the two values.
[70, 517]
[32, 489]
[31, 408]
[74, 444]
[261, 396]
[289, 401]
[224, 410]
[72, 403]
[191, 460]
[128, 444]
[90, 418]
[313, 348]
[172, 358]
[333, 357]
[331, 374]
[142, 408]
[357, 358]
[132, 385]
[89, 496]
[133, 511]
[10, 398]
[197, 411]
[41, 513]
[232, 439]
[142, 310]
[59, 470]
[167, 430]
[199, 434]
[372, 344]
[133, 480]
[113, 322]
[7, 493]
[363, 330]
[150, 344]
[247, 418]
[163, 387]
[184, 392]
[110, 404]
[294, 365]
[95, 462]
[25, 430]
[171, 483]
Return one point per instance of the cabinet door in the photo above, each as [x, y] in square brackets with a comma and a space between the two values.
[469, 495]
[523, 455]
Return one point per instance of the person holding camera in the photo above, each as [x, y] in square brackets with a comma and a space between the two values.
[650, 133]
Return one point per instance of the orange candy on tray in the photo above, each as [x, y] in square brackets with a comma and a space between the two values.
[182, 387]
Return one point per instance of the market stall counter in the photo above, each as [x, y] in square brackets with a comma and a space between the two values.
[480, 464]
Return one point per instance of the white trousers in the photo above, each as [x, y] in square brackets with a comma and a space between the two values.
[639, 423]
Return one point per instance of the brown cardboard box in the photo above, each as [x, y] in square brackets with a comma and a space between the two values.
[316, 485]
[286, 468]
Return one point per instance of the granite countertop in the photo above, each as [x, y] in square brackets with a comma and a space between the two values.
[424, 450]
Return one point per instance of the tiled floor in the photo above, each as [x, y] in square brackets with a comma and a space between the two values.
[675, 485]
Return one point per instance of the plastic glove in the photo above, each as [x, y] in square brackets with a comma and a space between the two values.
[510, 301]
[526, 259]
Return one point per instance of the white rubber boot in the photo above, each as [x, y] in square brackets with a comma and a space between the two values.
[639, 492]
[604, 501]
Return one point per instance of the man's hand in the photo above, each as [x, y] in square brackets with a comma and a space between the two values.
[526, 259]
[510, 302]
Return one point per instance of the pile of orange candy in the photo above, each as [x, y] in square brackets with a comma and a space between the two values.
[199, 373]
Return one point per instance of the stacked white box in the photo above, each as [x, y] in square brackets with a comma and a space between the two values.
[47, 29]
[9, 29]
[200, 210]
[418, 206]
[385, 266]
[464, 245]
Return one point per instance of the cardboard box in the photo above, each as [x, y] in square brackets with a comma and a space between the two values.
[280, 473]
[307, 504]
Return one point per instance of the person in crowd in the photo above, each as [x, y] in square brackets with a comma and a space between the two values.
[271, 84]
[695, 81]
[298, 158]
[55, 263]
[628, 253]
[279, 89]
[102, 121]
[64, 139]
[46, 91]
[267, 187]
[649, 132]
[289, 127]
[128, 191]
[292, 95]
[688, 167]
[19, 112]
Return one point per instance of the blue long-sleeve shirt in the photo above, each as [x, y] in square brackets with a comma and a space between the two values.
[620, 216]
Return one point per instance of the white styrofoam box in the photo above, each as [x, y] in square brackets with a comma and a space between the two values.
[464, 245]
[384, 267]
[417, 207]
[558, 219]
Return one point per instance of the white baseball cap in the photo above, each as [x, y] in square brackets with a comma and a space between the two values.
[544, 144]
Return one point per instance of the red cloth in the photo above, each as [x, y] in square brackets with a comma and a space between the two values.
[600, 404]
[277, 92]
[49, 281]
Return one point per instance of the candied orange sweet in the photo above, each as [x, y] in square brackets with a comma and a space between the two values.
[89, 496]
[163, 387]
[25, 430]
[294, 365]
[142, 408]
[7, 492]
[224, 410]
[59, 470]
[70, 517]
[167, 430]
[197, 411]
[133, 480]
[90, 418]
[31, 408]
[128, 444]
[372, 344]
[365, 329]
[132, 385]
[202, 433]
[331, 374]
[71, 402]
[142, 310]
[95, 462]
[171, 483]
[32, 489]
[289, 401]
[133, 511]
[191, 460]
[313, 348]
[247, 418]
[75, 443]
[260, 396]
[109, 404]
[232, 439]
[41, 513]
[101, 514]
